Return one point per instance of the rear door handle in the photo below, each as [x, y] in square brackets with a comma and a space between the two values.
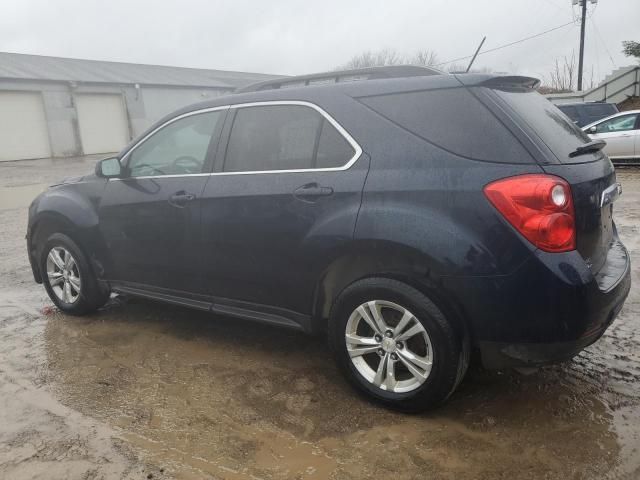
[180, 199]
[311, 190]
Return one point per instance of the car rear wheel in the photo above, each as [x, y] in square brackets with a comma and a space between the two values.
[393, 344]
[68, 277]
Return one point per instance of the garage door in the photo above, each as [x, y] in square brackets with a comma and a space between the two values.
[103, 123]
[23, 126]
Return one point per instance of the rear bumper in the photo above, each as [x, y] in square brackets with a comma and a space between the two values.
[547, 311]
[496, 355]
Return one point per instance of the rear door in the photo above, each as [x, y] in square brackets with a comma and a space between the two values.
[284, 199]
[620, 134]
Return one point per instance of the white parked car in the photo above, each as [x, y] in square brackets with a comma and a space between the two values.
[621, 132]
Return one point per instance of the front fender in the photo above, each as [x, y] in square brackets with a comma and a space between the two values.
[71, 209]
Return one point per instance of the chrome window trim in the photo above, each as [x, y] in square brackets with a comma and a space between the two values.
[124, 159]
[356, 147]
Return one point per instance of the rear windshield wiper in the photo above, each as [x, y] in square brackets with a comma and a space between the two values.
[589, 147]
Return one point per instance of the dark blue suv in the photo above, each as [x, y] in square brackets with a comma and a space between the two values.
[412, 219]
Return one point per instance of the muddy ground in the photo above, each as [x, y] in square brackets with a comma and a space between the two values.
[143, 390]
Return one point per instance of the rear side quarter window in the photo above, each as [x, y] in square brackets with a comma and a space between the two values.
[452, 119]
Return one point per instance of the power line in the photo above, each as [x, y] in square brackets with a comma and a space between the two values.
[595, 27]
[508, 44]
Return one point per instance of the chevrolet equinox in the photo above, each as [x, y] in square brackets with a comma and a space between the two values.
[411, 216]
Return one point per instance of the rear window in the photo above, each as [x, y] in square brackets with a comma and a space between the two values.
[600, 110]
[556, 130]
[570, 111]
[452, 119]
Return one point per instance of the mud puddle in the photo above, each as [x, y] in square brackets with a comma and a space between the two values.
[207, 396]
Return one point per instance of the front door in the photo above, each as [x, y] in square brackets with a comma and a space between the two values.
[150, 218]
[283, 202]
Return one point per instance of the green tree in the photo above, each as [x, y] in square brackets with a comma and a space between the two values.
[631, 49]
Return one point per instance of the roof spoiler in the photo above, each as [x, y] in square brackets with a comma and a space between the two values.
[500, 82]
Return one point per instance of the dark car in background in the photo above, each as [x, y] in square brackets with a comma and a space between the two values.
[412, 219]
[587, 112]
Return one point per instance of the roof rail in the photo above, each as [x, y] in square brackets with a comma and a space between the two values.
[341, 76]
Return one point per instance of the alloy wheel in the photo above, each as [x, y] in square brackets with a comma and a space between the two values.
[63, 275]
[388, 346]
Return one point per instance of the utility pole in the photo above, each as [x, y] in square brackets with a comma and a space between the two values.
[583, 24]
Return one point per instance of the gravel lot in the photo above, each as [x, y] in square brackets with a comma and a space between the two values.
[143, 390]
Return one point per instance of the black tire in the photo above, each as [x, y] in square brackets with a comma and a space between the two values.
[92, 294]
[450, 352]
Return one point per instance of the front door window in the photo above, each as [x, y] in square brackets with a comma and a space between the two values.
[179, 148]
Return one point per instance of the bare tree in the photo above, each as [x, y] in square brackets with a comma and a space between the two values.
[426, 58]
[380, 58]
[563, 77]
[389, 56]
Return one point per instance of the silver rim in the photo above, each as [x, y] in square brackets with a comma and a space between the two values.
[389, 346]
[63, 274]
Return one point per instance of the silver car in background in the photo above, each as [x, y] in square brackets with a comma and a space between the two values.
[622, 134]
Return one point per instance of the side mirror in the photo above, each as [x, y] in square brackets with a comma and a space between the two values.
[109, 168]
[592, 130]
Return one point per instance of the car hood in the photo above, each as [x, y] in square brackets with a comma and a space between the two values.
[71, 180]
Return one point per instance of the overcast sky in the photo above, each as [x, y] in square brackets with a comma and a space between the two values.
[295, 37]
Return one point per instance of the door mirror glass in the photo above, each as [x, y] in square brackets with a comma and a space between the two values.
[109, 168]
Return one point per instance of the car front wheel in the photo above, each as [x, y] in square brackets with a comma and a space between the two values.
[68, 277]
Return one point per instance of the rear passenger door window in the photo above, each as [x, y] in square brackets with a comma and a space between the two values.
[284, 137]
[333, 149]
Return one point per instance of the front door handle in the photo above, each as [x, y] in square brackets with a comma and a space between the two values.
[180, 199]
[311, 190]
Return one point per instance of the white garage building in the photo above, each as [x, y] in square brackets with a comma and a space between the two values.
[58, 107]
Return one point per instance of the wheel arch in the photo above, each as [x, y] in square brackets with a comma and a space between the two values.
[68, 217]
[395, 262]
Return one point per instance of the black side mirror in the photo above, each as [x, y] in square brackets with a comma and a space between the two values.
[109, 168]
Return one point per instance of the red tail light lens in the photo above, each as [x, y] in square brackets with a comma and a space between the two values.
[540, 207]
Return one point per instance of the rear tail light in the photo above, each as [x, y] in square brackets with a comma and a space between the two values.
[540, 207]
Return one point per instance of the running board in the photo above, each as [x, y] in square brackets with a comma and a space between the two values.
[217, 308]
